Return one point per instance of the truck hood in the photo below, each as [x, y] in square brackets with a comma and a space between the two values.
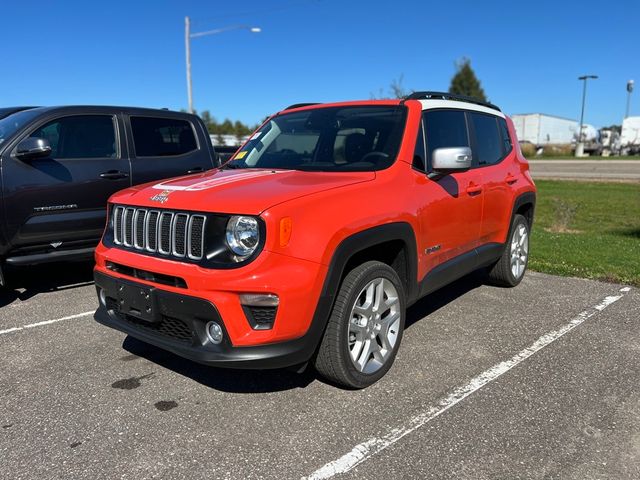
[249, 191]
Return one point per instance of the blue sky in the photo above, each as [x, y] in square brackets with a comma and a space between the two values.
[526, 54]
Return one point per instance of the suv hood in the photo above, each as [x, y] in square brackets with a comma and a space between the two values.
[249, 191]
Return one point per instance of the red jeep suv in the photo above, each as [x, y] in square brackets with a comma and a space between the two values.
[312, 241]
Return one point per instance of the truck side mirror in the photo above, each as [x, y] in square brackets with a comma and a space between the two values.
[446, 160]
[33, 147]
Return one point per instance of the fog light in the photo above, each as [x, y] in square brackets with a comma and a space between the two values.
[214, 332]
[259, 300]
[103, 297]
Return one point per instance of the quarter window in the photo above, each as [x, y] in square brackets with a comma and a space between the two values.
[80, 136]
[506, 139]
[489, 147]
[444, 128]
[162, 137]
[419, 153]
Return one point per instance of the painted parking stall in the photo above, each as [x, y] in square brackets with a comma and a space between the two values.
[80, 401]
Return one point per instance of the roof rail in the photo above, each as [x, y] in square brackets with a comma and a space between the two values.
[300, 105]
[449, 96]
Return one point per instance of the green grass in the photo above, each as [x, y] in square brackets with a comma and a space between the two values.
[587, 229]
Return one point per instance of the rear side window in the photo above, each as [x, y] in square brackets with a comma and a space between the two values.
[506, 139]
[162, 137]
[444, 128]
[80, 136]
[489, 148]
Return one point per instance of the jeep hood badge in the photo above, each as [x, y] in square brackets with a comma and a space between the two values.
[161, 197]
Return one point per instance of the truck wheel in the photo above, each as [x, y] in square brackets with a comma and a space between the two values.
[365, 327]
[509, 270]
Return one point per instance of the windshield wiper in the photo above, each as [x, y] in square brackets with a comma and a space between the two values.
[229, 166]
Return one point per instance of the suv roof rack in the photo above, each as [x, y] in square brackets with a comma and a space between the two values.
[300, 105]
[449, 96]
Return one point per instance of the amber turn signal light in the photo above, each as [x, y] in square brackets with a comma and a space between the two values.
[286, 225]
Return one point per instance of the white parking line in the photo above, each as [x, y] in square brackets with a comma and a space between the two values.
[46, 322]
[365, 450]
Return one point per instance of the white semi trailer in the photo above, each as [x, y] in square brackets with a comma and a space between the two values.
[541, 129]
[630, 136]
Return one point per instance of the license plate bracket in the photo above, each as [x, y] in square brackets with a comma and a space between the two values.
[137, 301]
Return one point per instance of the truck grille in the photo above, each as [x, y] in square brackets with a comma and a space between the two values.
[156, 231]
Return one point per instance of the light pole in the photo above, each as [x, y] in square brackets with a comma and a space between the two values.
[630, 84]
[187, 41]
[580, 144]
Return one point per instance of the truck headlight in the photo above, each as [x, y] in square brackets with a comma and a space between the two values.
[243, 235]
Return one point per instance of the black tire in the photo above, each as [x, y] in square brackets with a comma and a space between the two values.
[500, 274]
[333, 360]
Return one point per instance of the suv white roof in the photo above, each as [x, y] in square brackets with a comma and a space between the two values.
[433, 103]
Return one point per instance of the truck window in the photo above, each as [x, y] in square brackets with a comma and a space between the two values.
[80, 136]
[489, 143]
[162, 137]
[445, 128]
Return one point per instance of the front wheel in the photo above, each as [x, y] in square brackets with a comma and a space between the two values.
[365, 328]
[509, 270]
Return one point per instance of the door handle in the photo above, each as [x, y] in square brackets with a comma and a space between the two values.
[195, 170]
[473, 189]
[113, 175]
[511, 179]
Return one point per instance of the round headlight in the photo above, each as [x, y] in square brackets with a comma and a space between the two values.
[243, 235]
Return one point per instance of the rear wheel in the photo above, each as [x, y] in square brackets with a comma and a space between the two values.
[365, 328]
[509, 270]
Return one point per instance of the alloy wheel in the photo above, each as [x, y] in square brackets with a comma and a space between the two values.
[519, 250]
[374, 325]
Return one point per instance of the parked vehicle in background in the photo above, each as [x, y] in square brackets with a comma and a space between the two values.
[590, 139]
[225, 152]
[610, 141]
[226, 145]
[5, 112]
[309, 244]
[630, 136]
[61, 164]
[541, 129]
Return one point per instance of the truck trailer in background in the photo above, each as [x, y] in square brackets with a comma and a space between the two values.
[540, 129]
[630, 136]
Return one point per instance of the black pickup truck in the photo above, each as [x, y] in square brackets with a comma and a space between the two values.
[59, 165]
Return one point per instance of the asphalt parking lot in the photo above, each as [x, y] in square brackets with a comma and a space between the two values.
[540, 381]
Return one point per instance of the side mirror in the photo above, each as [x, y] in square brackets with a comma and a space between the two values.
[33, 147]
[449, 159]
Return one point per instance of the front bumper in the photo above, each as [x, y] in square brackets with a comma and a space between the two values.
[181, 330]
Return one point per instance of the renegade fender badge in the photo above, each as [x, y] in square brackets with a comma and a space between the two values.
[161, 197]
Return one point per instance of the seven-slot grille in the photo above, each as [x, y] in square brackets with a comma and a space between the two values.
[156, 231]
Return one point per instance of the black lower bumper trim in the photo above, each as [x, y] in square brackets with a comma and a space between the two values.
[55, 256]
[195, 313]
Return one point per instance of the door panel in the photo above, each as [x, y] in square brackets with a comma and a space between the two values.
[164, 148]
[494, 153]
[451, 215]
[497, 202]
[450, 218]
[63, 197]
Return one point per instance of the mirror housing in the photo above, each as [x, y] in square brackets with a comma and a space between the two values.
[33, 147]
[451, 159]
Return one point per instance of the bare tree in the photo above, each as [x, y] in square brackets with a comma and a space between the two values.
[396, 90]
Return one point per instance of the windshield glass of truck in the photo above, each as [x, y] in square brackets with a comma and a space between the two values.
[362, 138]
[14, 122]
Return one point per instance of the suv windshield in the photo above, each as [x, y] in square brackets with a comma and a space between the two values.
[14, 122]
[362, 138]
